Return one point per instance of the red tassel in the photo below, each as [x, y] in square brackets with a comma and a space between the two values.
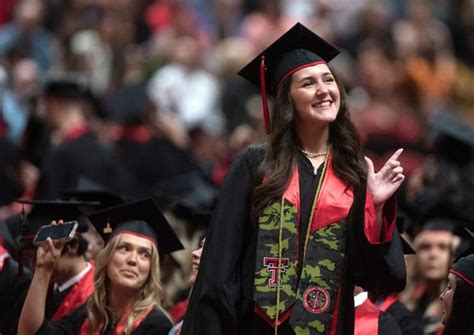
[263, 92]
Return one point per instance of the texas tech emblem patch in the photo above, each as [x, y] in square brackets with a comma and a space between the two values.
[316, 299]
[271, 263]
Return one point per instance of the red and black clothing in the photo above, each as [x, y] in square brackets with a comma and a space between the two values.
[222, 300]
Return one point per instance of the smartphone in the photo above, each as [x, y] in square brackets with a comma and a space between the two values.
[60, 232]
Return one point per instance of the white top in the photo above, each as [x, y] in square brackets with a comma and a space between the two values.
[67, 284]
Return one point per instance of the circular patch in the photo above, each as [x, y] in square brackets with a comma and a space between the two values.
[316, 299]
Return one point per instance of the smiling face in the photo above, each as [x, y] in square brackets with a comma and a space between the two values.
[129, 267]
[196, 261]
[315, 95]
[446, 298]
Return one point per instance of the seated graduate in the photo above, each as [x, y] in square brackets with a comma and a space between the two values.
[127, 292]
[72, 277]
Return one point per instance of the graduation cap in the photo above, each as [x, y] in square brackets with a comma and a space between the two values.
[464, 265]
[128, 105]
[69, 86]
[298, 48]
[45, 211]
[87, 190]
[142, 218]
[452, 137]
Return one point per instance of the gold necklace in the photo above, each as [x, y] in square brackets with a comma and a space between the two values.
[312, 154]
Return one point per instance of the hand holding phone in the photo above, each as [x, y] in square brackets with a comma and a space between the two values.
[56, 232]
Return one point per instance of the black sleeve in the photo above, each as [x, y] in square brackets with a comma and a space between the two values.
[213, 307]
[155, 323]
[378, 268]
[68, 325]
[14, 289]
[405, 319]
[387, 325]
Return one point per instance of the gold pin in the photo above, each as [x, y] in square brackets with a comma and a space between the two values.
[107, 229]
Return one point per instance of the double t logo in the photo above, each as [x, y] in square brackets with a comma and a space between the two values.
[271, 263]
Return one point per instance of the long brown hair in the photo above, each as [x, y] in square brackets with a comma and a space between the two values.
[280, 150]
[150, 294]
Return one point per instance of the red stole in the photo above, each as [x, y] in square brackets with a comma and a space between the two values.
[366, 319]
[75, 132]
[80, 292]
[333, 203]
[119, 327]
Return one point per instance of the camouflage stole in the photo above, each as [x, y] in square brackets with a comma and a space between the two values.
[310, 301]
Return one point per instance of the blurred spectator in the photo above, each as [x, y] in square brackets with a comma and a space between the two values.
[20, 97]
[425, 43]
[68, 107]
[434, 247]
[445, 182]
[25, 36]
[185, 88]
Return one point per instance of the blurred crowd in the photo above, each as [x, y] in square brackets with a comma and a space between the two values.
[141, 98]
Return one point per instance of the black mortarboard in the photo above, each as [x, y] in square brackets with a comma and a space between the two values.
[128, 105]
[72, 86]
[87, 190]
[464, 269]
[142, 218]
[10, 159]
[297, 48]
[453, 138]
[45, 211]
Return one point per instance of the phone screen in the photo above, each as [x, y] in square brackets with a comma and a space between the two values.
[63, 231]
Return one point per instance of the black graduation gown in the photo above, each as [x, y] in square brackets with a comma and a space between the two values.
[13, 290]
[82, 156]
[155, 323]
[405, 319]
[222, 298]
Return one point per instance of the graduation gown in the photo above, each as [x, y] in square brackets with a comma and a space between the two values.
[405, 319]
[370, 320]
[155, 323]
[81, 155]
[222, 300]
[14, 289]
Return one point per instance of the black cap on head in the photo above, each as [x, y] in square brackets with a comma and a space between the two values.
[464, 269]
[128, 105]
[297, 48]
[453, 138]
[142, 218]
[45, 211]
[72, 86]
[87, 190]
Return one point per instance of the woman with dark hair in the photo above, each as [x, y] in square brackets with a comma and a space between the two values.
[458, 298]
[127, 295]
[301, 218]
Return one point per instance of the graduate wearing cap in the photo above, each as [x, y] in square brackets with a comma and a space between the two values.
[302, 218]
[72, 279]
[458, 297]
[127, 292]
[74, 149]
[434, 246]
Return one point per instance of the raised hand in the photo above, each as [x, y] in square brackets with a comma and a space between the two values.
[48, 253]
[383, 184]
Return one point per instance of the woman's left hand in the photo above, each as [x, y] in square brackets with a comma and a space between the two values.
[383, 184]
